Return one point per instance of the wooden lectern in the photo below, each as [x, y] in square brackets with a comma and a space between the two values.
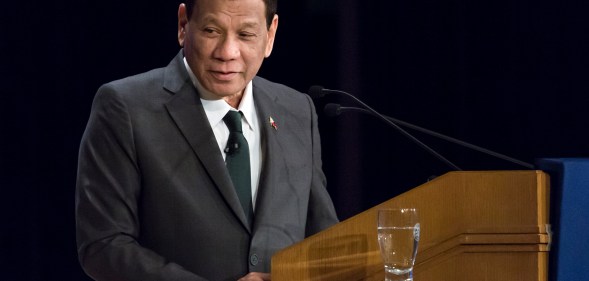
[474, 226]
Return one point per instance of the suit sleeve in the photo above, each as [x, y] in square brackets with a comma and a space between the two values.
[107, 191]
[321, 212]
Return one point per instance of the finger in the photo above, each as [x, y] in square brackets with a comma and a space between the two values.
[256, 276]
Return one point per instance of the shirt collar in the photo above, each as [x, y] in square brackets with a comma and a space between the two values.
[217, 109]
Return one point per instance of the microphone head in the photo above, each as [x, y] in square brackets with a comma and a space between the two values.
[316, 92]
[332, 109]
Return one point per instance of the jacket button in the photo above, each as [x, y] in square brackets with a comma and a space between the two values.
[254, 260]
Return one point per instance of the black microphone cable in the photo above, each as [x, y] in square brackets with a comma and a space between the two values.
[332, 109]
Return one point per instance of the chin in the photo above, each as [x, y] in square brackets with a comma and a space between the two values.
[226, 91]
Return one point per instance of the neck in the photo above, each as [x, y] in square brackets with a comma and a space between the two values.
[234, 100]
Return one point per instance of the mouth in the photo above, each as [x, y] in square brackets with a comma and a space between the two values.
[224, 75]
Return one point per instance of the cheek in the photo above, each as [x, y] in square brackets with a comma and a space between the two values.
[254, 52]
[253, 60]
[201, 50]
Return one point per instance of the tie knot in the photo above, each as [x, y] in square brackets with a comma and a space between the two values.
[233, 121]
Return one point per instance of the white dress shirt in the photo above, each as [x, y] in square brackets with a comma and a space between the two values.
[217, 109]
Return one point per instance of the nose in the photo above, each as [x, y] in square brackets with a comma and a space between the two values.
[227, 49]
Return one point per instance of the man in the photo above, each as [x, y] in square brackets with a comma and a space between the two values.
[155, 199]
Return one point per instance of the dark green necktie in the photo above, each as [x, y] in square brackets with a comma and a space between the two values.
[238, 162]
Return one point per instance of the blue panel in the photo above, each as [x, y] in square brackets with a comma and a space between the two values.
[569, 216]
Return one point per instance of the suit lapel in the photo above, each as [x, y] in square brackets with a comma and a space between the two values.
[273, 169]
[187, 112]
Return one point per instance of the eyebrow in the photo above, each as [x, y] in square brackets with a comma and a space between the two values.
[250, 24]
[245, 24]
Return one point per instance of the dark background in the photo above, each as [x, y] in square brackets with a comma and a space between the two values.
[507, 75]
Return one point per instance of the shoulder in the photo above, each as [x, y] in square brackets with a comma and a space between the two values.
[136, 90]
[273, 86]
[280, 91]
[286, 102]
[148, 80]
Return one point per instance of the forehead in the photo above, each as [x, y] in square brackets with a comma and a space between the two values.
[215, 9]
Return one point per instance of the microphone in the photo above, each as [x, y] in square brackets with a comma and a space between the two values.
[319, 91]
[332, 110]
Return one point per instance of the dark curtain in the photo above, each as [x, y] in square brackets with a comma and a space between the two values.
[506, 75]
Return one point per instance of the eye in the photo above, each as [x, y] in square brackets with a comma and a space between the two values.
[247, 35]
[210, 31]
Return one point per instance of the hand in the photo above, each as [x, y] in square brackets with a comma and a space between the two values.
[256, 276]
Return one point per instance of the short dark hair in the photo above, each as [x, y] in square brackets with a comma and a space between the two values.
[271, 9]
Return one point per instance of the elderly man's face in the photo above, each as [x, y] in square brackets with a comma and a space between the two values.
[225, 42]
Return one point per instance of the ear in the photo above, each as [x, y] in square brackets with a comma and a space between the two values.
[182, 24]
[271, 35]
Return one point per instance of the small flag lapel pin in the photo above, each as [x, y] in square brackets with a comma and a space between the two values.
[272, 123]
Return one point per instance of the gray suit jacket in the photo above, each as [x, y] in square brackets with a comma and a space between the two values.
[154, 200]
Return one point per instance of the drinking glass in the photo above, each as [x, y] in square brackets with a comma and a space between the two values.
[398, 236]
